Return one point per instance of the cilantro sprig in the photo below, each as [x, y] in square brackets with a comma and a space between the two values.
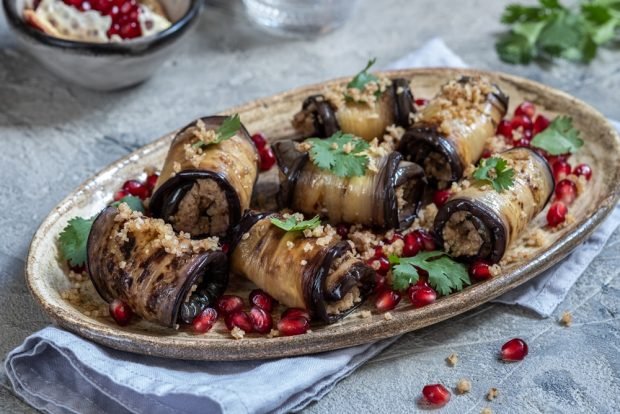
[445, 275]
[364, 77]
[553, 30]
[342, 154]
[493, 171]
[133, 202]
[560, 137]
[291, 223]
[226, 130]
[72, 240]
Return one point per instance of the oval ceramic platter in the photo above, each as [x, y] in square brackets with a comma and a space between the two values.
[47, 278]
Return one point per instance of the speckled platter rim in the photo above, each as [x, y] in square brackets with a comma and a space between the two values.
[337, 336]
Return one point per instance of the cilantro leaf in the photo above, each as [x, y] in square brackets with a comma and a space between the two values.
[133, 202]
[229, 127]
[363, 77]
[493, 170]
[560, 137]
[342, 154]
[72, 240]
[444, 274]
[292, 224]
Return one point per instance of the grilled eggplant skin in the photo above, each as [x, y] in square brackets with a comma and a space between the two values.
[155, 284]
[499, 217]
[298, 276]
[445, 156]
[370, 199]
[232, 165]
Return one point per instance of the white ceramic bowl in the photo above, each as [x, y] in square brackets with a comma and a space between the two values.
[104, 66]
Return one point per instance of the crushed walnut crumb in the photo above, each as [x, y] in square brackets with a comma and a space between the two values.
[453, 359]
[290, 245]
[463, 386]
[388, 316]
[492, 394]
[566, 319]
[303, 262]
[365, 314]
[237, 333]
[486, 410]
[495, 270]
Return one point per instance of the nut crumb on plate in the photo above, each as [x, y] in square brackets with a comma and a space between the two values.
[237, 333]
[566, 319]
[388, 316]
[452, 359]
[463, 386]
[492, 394]
[486, 410]
[365, 314]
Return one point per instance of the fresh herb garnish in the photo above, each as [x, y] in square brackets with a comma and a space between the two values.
[72, 240]
[292, 223]
[133, 202]
[560, 137]
[360, 80]
[444, 274]
[342, 154]
[553, 30]
[226, 130]
[494, 171]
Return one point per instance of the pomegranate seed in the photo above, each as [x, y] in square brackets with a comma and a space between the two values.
[583, 169]
[136, 188]
[557, 213]
[387, 300]
[426, 240]
[540, 124]
[505, 129]
[480, 270]
[342, 230]
[267, 158]
[396, 236]
[293, 326]
[421, 294]
[521, 121]
[261, 299]
[440, 197]
[292, 313]
[436, 394]
[524, 143]
[381, 265]
[514, 350]
[561, 169]
[229, 304]
[566, 191]
[225, 247]
[412, 245]
[120, 194]
[151, 181]
[421, 102]
[380, 282]
[240, 319]
[526, 109]
[378, 252]
[77, 269]
[261, 320]
[486, 153]
[204, 321]
[120, 312]
[259, 140]
[527, 135]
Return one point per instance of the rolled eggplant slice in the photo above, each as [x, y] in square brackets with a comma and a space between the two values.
[203, 192]
[480, 223]
[388, 197]
[450, 132]
[319, 274]
[164, 278]
[323, 115]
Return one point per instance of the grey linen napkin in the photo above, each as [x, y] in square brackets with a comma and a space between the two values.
[58, 372]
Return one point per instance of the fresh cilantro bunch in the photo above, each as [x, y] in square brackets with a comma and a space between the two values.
[560, 137]
[494, 171]
[226, 130]
[291, 223]
[445, 275]
[342, 154]
[553, 30]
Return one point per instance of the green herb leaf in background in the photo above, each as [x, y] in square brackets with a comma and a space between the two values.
[363, 77]
[445, 275]
[133, 202]
[342, 154]
[292, 224]
[560, 137]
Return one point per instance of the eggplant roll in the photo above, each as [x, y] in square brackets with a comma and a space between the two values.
[317, 273]
[323, 115]
[450, 132]
[203, 192]
[386, 198]
[165, 278]
[479, 222]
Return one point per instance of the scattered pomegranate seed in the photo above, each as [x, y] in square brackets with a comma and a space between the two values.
[240, 319]
[259, 140]
[526, 108]
[342, 230]
[436, 394]
[421, 102]
[480, 270]
[229, 304]
[136, 188]
[381, 265]
[557, 213]
[124, 14]
[521, 121]
[295, 313]
[267, 158]
[527, 135]
[486, 153]
[440, 197]
[261, 299]
[378, 252]
[514, 350]
[380, 282]
[566, 191]
[293, 326]
[412, 245]
[120, 194]
[505, 129]
[261, 320]
[225, 247]
[151, 181]
[561, 169]
[387, 300]
[205, 320]
[396, 236]
[426, 240]
[421, 294]
[120, 312]
[552, 159]
[540, 124]
[583, 169]
[523, 143]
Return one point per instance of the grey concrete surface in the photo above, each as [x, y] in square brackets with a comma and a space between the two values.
[54, 135]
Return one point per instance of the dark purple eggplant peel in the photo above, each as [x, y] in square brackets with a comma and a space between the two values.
[164, 287]
[480, 223]
[302, 272]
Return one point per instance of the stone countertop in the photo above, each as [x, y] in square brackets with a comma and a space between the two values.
[54, 135]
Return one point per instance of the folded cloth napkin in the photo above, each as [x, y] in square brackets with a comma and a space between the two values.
[58, 372]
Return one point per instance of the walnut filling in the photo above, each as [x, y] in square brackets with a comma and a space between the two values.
[405, 199]
[337, 271]
[436, 165]
[461, 237]
[203, 210]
